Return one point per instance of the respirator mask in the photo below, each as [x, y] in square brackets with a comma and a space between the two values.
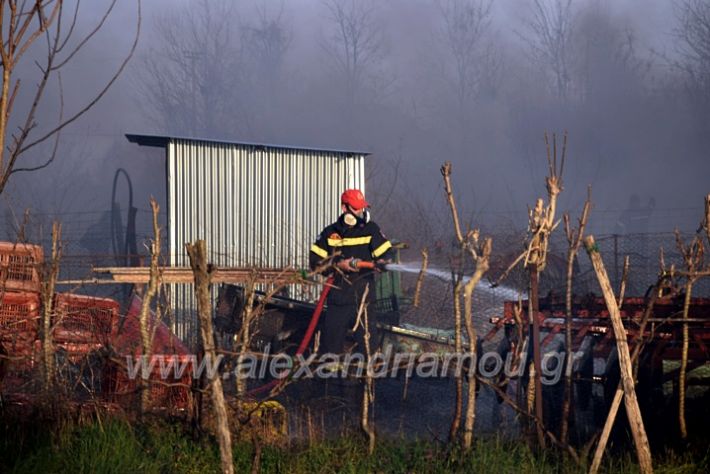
[352, 219]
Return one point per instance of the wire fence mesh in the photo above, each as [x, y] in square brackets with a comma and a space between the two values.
[86, 248]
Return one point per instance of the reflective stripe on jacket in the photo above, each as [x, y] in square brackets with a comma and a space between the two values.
[364, 241]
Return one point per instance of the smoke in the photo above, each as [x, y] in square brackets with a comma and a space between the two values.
[419, 92]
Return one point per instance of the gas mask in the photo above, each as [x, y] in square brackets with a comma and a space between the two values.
[352, 219]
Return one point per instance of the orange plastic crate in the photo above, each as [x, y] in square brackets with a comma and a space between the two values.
[20, 266]
[19, 316]
[83, 319]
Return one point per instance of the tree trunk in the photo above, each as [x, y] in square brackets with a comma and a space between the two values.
[458, 346]
[533, 309]
[470, 417]
[50, 280]
[684, 361]
[198, 262]
[144, 319]
[564, 430]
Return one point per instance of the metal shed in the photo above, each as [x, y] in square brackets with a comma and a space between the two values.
[254, 205]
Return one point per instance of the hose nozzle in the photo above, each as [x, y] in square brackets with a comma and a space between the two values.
[367, 265]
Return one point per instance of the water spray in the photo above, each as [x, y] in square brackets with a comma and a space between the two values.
[501, 291]
[505, 292]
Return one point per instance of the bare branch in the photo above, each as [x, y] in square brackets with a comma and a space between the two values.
[98, 97]
[86, 38]
[56, 137]
[44, 26]
[574, 240]
[72, 25]
[549, 37]
[624, 278]
[446, 173]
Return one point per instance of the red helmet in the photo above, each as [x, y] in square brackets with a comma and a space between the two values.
[354, 198]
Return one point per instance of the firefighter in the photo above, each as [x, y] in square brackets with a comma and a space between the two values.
[355, 243]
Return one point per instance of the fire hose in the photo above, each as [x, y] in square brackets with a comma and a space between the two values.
[306, 337]
[354, 263]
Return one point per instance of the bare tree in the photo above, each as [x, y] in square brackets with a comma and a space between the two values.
[574, 239]
[190, 82]
[465, 25]
[24, 27]
[693, 35]
[480, 253]
[469, 66]
[266, 41]
[211, 75]
[548, 37]
[694, 258]
[49, 280]
[608, 66]
[355, 44]
[150, 291]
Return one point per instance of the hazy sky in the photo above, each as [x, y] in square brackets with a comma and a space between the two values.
[631, 142]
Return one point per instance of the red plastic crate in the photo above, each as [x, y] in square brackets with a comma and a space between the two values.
[20, 266]
[19, 316]
[83, 319]
[170, 393]
[127, 339]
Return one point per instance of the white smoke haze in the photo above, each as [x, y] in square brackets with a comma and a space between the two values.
[421, 92]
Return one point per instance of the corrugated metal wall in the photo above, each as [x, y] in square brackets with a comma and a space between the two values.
[254, 206]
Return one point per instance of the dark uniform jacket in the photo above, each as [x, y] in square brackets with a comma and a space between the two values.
[363, 241]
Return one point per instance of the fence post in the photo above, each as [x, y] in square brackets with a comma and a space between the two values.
[633, 412]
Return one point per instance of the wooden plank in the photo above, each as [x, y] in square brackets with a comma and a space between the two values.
[633, 412]
[138, 275]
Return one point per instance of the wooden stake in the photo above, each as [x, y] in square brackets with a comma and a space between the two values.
[420, 278]
[608, 425]
[368, 396]
[643, 450]
[198, 260]
[613, 410]
[144, 319]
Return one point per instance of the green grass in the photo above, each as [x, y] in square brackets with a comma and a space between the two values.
[118, 447]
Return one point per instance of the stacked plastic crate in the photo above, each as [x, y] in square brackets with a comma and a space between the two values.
[167, 375]
[80, 325]
[19, 309]
[81, 328]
